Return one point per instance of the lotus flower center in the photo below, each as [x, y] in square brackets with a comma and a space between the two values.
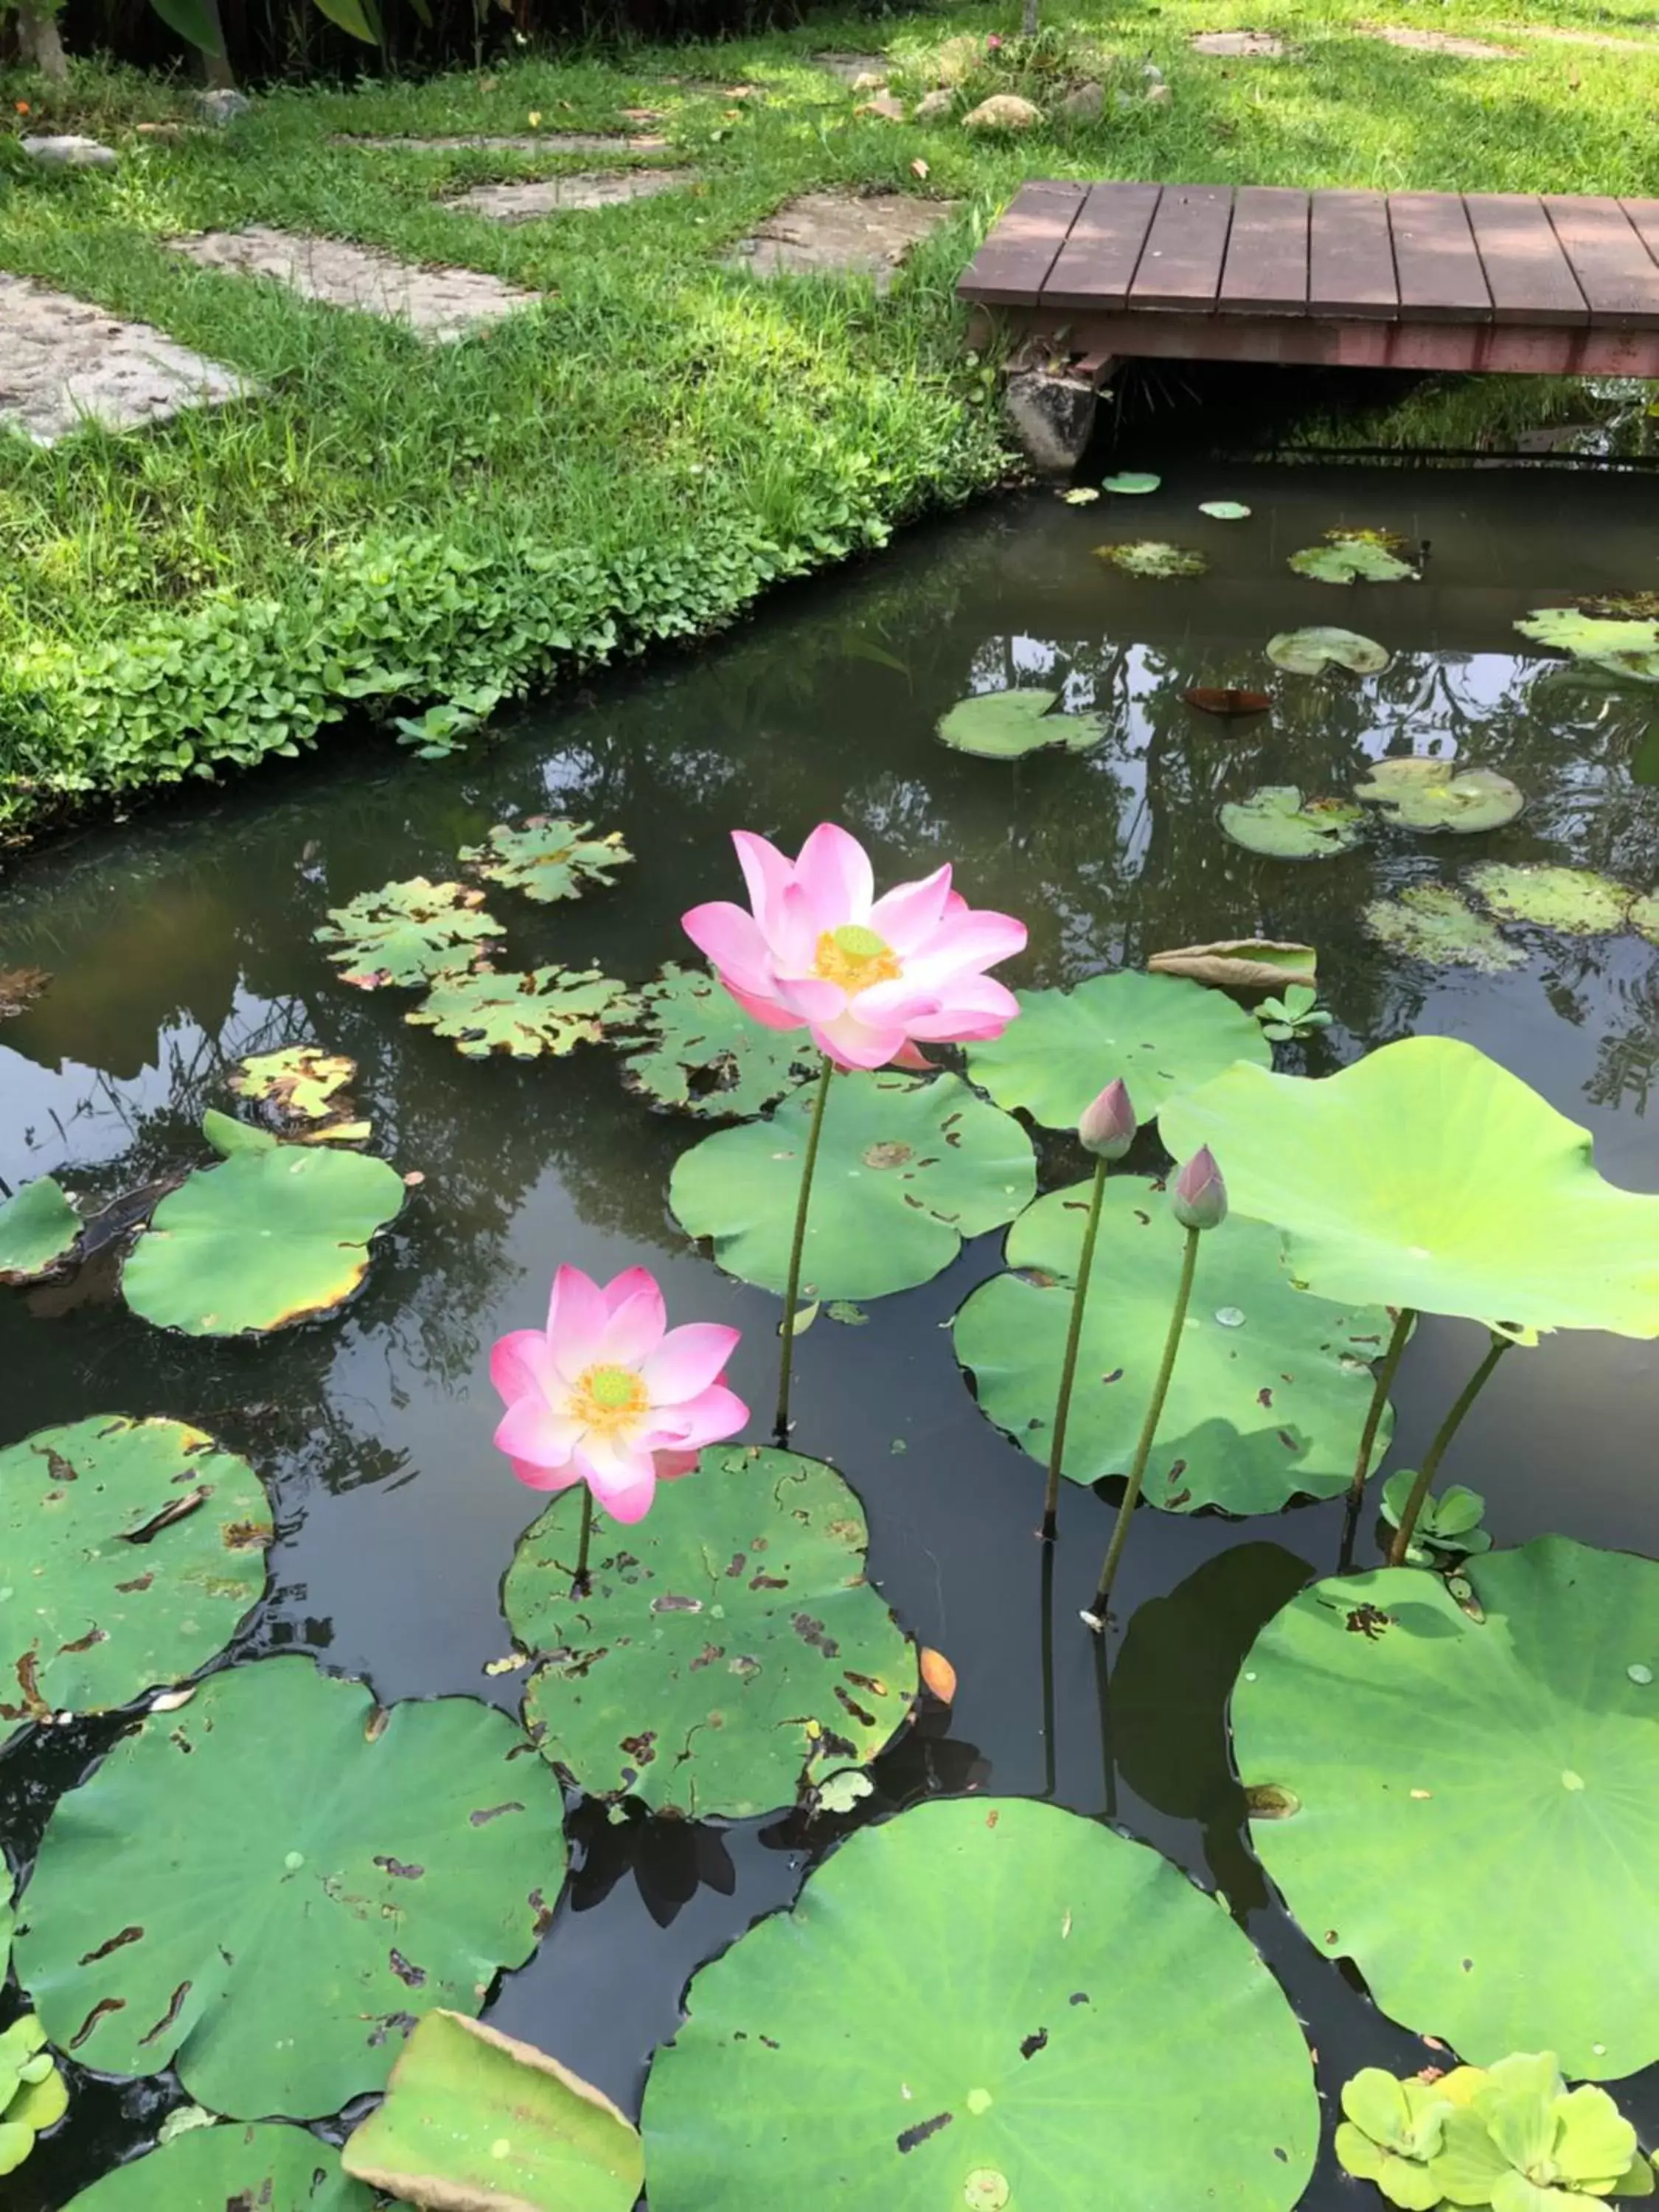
[855, 958]
[610, 1399]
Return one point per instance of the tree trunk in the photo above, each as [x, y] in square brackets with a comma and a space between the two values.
[37, 35]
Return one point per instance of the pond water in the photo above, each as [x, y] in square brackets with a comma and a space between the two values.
[182, 941]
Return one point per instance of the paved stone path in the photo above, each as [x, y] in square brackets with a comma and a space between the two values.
[1442, 42]
[64, 362]
[836, 233]
[1238, 46]
[536, 142]
[525, 201]
[443, 304]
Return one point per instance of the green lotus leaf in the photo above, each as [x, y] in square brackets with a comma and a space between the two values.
[301, 1082]
[1538, 1782]
[276, 2168]
[548, 860]
[1277, 820]
[1589, 636]
[263, 1240]
[1240, 963]
[1432, 922]
[405, 934]
[999, 2003]
[147, 1545]
[730, 1654]
[1152, 557]
[474, 2122]
[1270, 1389]
[1575, 901]
[228, 1136]
[544, 1011]
[1008, 725]
[1426, 1176]
[1159, 1034]
[1223, 510]
[313, 1872]
[1310, 652]
[906, 1170]
[703, 1056]
[1436, 794]
[1352, 561]
[37, 1228]
[1131, 482]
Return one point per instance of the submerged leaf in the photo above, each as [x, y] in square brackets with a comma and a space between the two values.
[547, 1010]
[1357, 560]
[404, 934]
[302, 1082]
[1432, 922]
[1309, 652]
[21, 987]
[1575, 901]
[1229, 702]
[1278, 821]
[1433, 795]
[1008, 725]
[702, 1055]
[37, 1228]
[1152, 557]
[546, 859]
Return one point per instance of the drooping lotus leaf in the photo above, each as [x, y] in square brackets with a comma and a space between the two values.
[405, 934]
[1352, 561]
[1425, 1175]
[999, 2002]
[275, 2168]
[545, 1010]
[1432, 922]
[1149, 557]
[1271, 1386]
[1159, 1034]
[314, 1872]
[1277, 820]
[906, 1170]
[702, 1055]
[1008, 725]
[146, 1547]
[1437, 794]
[1241, 964]
[729, 1656]
[1223, 510]
[37, 1228]
[33, 2094]
[547, 859]
[265, 1240]
[1517, 1750]
[1132, 482]
[301, 1083]
[1310, 652]
[1575, 901]
[476, 2122]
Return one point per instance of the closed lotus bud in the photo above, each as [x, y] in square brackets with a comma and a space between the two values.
[1108, 1126]
[1199, 1198]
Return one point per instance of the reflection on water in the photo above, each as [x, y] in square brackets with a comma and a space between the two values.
[182, 942]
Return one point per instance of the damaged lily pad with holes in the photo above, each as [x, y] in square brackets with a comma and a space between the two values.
[1433, 795]
[729, 1655]
[1151, 558]
[135, 1550]
[1576, 902]
[274, 2168]
[268, 1238]
[1537, 1781]
[1008, 724]
[301, 1083]
[1160, 1034]
[1003, 2001]
[1365, 559]
[701, 1054]
[405, 934]
[315, 1874]
[1310, 651]
[548, 860]
[545, 1010]
[1432, 922]
[1277, 820]
[37, 1228]
[906, 1170]
[1263, 1407]
[1241, 964]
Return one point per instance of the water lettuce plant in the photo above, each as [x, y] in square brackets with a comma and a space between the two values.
[1446, 1527]
[405, 934]
[699, 1053]
[548, 860]
[1008, 724]
[33, 2095]
[1277, 820]
[1298, 1014]
[261, 2164]
[1390, 2130]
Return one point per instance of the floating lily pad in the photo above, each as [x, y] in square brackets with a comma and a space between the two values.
[729, 1655]
[546, 1010]
[1132, 483]
[1008, 725]
[1517, 1751]
[1575, 901]
[1352, 561]
[146, 1546]
[1425, 1175]
[266, 1239]
[475, 2122]
[1435, 794]
[1619, 645]
[906, 1170]
[702, 1055]
[1263, 1407]
[1223, 510]
[37, 1228]
[275, 2168]
[1149, 557]
[1278, 821]
[999, 2002]
[1241, 964]
[1080, 495]
[1310, 652]
[1159, 1034]
[549, 860]
[301, 1083]
[1432, 922]
[313, 1873]
[405, 934]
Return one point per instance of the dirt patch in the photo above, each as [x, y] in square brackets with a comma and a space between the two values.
[1585, 38]
[1439, 42]
[836, 233]
[526, 201]
[849, 68]
[66, 363]
[526, 142]
[1238, 46]
[440, 303]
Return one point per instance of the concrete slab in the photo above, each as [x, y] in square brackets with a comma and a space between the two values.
[523, 141]
[531, 198]
[836, 233]
[1238, 46]
[65, 362]
[443, 304]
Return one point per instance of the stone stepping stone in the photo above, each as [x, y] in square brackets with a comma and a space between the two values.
[531, 198]
[443, 304]
[1238, 46]
[838, 233]
[1441, 42]
[529, 142]
[65, 362]
[849, 68]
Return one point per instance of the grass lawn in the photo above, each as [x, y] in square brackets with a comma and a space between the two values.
[392, 524]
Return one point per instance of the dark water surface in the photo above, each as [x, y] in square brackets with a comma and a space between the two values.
[182, 941]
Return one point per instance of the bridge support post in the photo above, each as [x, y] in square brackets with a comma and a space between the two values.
[1049, 398]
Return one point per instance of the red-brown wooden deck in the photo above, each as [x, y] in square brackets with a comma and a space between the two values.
[1401, 280]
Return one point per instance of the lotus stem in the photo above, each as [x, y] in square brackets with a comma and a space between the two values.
[1404, 1322]
[1437, 1450]
[1068, 1366]
[1096, 1616]
[1046, 1613]
[578, 1586]
[797, 1245]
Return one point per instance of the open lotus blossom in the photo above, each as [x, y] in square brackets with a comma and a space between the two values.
[609, 1396]
[871, 978]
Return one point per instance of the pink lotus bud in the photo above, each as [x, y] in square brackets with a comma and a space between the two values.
[1108, 1126]
[1198, 1197]
[993, 43]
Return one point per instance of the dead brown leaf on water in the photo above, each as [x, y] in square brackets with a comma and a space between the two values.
[20, 987]
[1241, 964]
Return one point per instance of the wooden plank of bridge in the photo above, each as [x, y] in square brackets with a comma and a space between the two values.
[1351, 257]
[1642, 216]
[1096, 265]
[1530, 278]
[1012, 265]
[1186, 246]
[1266, 271]
[1438, 268]
[1617, 275]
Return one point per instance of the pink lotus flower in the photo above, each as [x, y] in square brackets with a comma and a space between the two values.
[604, 1396]
[870, 977]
